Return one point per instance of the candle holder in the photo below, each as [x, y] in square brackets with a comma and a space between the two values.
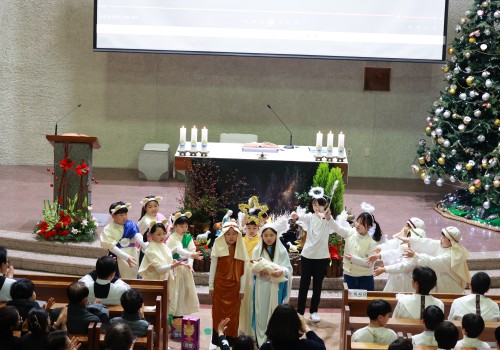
[341, 153]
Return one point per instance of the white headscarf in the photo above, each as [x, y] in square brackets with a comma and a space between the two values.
[221, 248]
[459, 254]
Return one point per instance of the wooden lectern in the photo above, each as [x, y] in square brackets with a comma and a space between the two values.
[67, 183]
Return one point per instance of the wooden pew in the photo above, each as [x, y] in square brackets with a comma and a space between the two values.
[353, 323]
[358, 306]
[139, 343]
[87, 340]
[55, 286]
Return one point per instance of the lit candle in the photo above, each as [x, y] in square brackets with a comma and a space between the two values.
[329, 141]
[341, 145]
[182, 137]
[194, 136]
[204, 137]
[319, 141]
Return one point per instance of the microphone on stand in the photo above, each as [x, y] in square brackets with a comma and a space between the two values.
[290, 146]
[74, 109]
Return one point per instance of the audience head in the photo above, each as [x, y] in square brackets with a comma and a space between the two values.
[401, 344]
[9, 319]
[118, 337]
[23, 289]
[105, 267]
[446, 335]
[379, 310]
[77, 293]
[58, 340]
[284, 324]
[433, 316]
[4, 263]
[243, 342]
[425, 278]
[131, 301]
[38, 321]
[497, 336]
[480, 283]
[472, 325]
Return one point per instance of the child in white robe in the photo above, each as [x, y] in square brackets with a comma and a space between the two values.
[476, 302]
[158, 262]
[472, 327]
[413, 305]
[119, 238]
[150, 212]
[445, 256]
[271, 288]
[433, 316]
[184, 300]
[379, 312]
[397, 267]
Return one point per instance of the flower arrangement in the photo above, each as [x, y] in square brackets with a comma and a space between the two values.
[68, 218]
[202, 247]
[336, 247]
[70, 224]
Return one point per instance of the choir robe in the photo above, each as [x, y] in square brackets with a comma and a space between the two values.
[467, 305]
[408, 305]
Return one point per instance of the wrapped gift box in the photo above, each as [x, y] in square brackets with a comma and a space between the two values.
[190, 333]
[176, 329]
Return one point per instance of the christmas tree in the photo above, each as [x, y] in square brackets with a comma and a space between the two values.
[464, 122]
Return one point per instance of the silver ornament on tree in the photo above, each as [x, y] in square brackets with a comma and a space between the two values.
[483, 47]
[487, 32]
[488, 83]
[468, 70]
[453, 178]
[440, 182]
[481, 138]
[427, 180]
[446, 114]
[463, 96]
[486, 205]
[446, 143]
[477, 113]
[439, 131]
[485, 74]
[486, 187]
[497, 14]
[486, 96]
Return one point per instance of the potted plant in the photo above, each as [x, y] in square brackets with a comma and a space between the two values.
[336, 248]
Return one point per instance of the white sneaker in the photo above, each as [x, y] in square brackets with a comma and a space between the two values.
[315, 317]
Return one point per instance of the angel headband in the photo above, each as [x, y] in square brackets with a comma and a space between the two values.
[146, 200]
[153, 222]
[121, 206]
[177, 215]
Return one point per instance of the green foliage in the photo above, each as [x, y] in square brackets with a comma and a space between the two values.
[320, 179]
[463, 123]
[325, 177]
[338, 197]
